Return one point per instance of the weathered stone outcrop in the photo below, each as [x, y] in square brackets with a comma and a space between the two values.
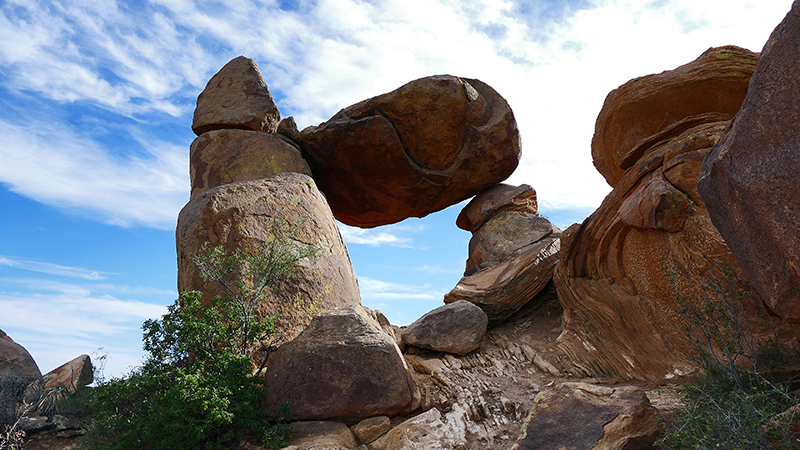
[430, 430]
[15, 360]
[501, 290]
[640, 109]
[72, 375]
[585, 416]
[425, 146]
[454, 328]
[236, 97]
[512, 253]
[343, 367]
[240, 215]
[225, 156]
[651, 239]
[749, 180]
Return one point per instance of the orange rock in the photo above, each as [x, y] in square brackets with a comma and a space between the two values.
[419, 149]
[637, 111]
[749, 181]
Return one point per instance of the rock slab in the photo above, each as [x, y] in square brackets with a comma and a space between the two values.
[454, 328]
[343, 367]
[749, 180]
[239, 216]
[236, 97]
[72, 375]
[419, 149]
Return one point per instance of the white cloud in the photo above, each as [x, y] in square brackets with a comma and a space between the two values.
[376, 289]
[373, 237]
[50, 268]
[57, 167]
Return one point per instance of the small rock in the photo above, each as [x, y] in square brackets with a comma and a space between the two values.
[454, 328]
[318, 435]
[370, 429]
[496, 199]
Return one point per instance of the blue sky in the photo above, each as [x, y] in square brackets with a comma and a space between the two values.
[96, 102]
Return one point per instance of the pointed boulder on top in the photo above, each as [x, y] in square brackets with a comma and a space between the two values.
[236, 97]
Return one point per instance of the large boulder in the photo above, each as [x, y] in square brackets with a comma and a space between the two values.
[240, 216]
[236, 97]
[503, 289]
[15, 361]
[584, 416]
[749, 180]
[419, 149]
[641, 108]
[72, 375]
[454, 328]
[625, 269]
[225, 156]
[343, 367]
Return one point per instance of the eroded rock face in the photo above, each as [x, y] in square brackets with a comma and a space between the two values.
[342, 367]
[454, 328]
[496, 199]
[430, 430]
[72, 375]
[236, 97]
[749, 180]
[651, 239]
[501, 290]
[239, 215]
[641, 108]
[416, 150]
[585, 416]
[225, 156]
[15, 360]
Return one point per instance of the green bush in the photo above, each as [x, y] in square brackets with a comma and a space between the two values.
[197, 388]
[734, 404]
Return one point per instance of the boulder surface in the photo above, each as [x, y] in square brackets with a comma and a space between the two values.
[343, 367]
[641, 108]
[240, 216]
[72, 375]
[236, 97]
[749, 180]
[454, 328]
[419, 149]
[15, 360]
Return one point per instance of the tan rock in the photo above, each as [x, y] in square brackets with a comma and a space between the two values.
[425, 146]
[225, 156]
[427, 431]
[238, 216]
[370, 429]
[236, 97]
[505, 235]
[505, 288]
[749, 180]
[72, 375]
[496, 199]
[456, 328]
[15, 360]
[342, 367]
[321, 435]
[716, 82]
[580, 415]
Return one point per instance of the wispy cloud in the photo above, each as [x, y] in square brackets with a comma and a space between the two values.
[51, 269]
[437, 269]
[373, 237]
[384, 290]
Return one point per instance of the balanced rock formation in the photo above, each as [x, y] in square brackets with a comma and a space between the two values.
[512, 253]
[621, 271]
[641, 108]
[749, 180]
[72, 375]
[585, 416]
[225, 156]
[425, 146]
[343, 367]
[240, 216]
[454, 328]
[236, 97]
[16, 361]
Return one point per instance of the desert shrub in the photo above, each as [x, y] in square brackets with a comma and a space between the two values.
[197, 388]
[733, 404]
